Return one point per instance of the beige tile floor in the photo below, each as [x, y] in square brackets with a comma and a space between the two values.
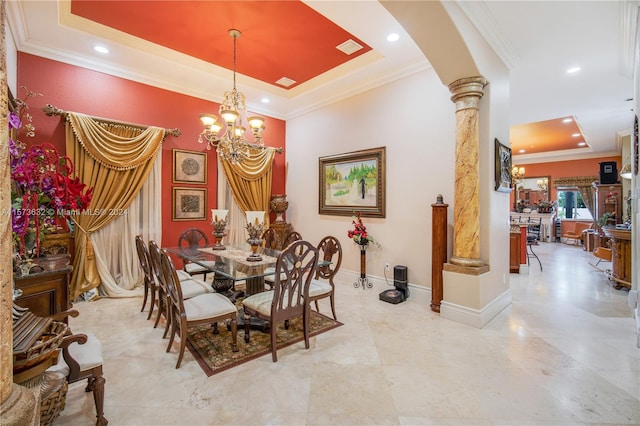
[563, 353]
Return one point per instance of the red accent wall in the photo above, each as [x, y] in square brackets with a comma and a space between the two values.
[77, 89]
[572, 168]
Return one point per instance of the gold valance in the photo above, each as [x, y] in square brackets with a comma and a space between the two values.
[576, 181]
[112, 150]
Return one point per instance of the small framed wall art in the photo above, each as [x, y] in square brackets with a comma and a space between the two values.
[189, 203]
[503, 167]
[189, 166]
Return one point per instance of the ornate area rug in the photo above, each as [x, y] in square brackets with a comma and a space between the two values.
[213, 352]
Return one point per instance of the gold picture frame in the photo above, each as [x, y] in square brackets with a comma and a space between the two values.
[353, 182]
[189, 203]
[189, 166]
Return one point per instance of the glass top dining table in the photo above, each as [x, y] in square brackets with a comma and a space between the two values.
[232, 264]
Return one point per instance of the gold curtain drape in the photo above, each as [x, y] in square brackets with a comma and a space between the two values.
[584, 184]
[250, 181]
[115, 160]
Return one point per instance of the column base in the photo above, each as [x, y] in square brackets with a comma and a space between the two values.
[22, 408]
[469, 268]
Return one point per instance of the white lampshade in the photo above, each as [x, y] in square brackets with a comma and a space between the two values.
[218, 214]
[215, 127]
[229, 116]
[208, 119]
[256, 122]
[255, 217]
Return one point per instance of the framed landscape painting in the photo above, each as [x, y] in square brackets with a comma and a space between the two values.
[189, 166]
[353, 182]
[189, 203]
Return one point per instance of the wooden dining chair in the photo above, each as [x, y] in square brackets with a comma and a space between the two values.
[295, 268]
[150, 287]
[81, 358]
[190, 242]
[329, 250]
[290, 238]
[209, 308]
[191, 287]
[270, 239]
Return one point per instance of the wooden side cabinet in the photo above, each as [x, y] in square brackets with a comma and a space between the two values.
[45, 293]
[620, 256]
[514, 252]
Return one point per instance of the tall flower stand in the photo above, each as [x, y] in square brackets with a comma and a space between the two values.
[363, 280]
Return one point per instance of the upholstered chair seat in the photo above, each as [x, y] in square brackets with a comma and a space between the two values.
[194, 268]
[183, 275]
[207, 306]
[194, 287]
[319, 288]
[260, 302]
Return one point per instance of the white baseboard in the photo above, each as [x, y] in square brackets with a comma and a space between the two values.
[477, 318]
[417, 293]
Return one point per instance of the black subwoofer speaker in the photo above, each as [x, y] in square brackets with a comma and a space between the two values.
[608, 172]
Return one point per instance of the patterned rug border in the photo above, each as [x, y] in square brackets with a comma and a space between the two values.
[266, 351]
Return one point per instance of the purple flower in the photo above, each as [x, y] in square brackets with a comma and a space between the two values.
[14, 121]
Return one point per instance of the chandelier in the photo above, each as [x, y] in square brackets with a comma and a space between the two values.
[231, 144]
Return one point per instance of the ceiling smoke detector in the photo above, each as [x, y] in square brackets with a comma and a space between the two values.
[349, 47]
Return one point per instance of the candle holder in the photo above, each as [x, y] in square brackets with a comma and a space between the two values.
[219, 222]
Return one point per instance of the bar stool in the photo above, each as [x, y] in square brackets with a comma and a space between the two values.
[531, 240]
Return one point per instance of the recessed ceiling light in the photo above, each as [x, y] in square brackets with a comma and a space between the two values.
[567, 120]
[100, 49]
[393, 37]
[522, 151]
[576, 135]
[265, 100]
[582, 143]
[573, 70]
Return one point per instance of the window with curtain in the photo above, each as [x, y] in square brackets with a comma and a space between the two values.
[571, 205]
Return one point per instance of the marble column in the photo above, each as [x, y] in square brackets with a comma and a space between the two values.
[17, 404]
[466, 94]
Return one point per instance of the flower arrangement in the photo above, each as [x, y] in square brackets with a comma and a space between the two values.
[42, 189]
[611, 197]
[359, 234]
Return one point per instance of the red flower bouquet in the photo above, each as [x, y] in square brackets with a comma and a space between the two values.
[359, 234]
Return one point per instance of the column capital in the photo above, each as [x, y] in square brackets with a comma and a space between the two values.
[466, 92]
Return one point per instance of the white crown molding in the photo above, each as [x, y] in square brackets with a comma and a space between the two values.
[482, 18]
[628, 36]
[567, 155]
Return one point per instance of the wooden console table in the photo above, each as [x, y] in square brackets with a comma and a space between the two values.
[620, 255]
[45, 293]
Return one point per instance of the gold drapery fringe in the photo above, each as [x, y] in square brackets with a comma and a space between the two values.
[51, 110]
